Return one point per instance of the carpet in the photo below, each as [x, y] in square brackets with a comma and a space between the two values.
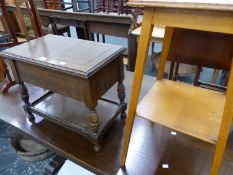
[10, 163]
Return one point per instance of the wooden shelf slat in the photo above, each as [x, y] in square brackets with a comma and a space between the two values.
[188, 109]
[157, 34]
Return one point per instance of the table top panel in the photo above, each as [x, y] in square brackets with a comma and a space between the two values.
[71, 55]
[225, 5]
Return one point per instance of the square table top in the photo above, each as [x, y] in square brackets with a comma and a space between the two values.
[70, 55]
[223, 5]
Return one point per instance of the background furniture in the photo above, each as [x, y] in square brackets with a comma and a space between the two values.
[31, 11]
[10, 34]
[8, 39]
[157, 36]
[186, 45]
[13, 40]
[55, 4]
[111, 6]
[119, 7]
[169, 103]
[73, 4]
[49, 23]
[202, 49]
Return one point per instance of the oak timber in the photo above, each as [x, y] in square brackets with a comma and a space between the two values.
[200, 117]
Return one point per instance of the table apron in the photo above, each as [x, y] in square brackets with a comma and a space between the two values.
[87, 90]
[213, 21]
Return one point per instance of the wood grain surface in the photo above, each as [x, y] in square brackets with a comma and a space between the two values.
[185, 108]
[65, 54]
[226, 5]
[151, 145]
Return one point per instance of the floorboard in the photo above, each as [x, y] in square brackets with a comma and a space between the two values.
[151, 146]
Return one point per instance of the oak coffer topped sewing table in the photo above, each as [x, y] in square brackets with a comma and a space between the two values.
[74, 71]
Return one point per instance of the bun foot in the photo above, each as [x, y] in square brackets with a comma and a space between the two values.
[97, 147]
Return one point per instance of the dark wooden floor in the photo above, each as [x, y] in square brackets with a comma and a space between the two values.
[151, 145]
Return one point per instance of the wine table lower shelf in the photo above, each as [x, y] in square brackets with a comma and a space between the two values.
[185, 108]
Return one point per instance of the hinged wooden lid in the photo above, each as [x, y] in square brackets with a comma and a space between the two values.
[74, 56]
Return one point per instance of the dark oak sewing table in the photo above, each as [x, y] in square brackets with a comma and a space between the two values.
[71, 71]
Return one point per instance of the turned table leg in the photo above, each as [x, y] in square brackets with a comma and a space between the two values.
[25, 98]
[97, 147]
[94, 124]
[93, 120]
[121, 89]
[121, 96]
[93, 117]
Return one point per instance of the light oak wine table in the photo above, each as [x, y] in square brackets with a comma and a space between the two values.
[197, 112]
